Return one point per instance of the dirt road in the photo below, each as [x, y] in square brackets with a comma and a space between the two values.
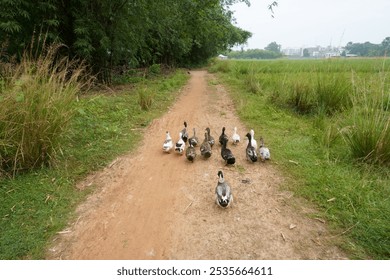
[151, 205]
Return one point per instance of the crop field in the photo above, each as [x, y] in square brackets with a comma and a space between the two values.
[327, 123]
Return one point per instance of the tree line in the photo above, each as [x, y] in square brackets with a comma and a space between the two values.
[132, 33]
[271, 51]
[368, 49]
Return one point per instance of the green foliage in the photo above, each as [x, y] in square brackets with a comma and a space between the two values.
[369, 49]
[316, 151]
[254, 54]
[35, 108]
[273, 47]
[114, 33]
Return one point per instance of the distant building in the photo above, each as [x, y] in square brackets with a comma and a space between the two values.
[314, 52]
[222, 57]
[292, 52]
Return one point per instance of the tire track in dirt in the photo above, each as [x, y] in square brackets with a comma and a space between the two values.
[151, 205]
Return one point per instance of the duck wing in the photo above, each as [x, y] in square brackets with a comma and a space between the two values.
[228, 156]
[251, 154]
[205, 149]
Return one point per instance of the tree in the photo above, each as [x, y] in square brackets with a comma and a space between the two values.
[306, 53]
[367, 48]
[136, 33]
[386, 46]
[254, 54]
[273, 47]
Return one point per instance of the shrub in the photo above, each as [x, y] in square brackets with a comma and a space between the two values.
[145, 99]
[36, 99]
[368, 131]
[220, 66]
[301, 97]
[155, 69]
[333, 94]
[253, 82]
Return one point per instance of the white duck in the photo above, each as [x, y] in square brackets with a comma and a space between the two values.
[180, 145]
[253, 141]
[168, 144]
[235, 137]
[264, 151]
[223, 193]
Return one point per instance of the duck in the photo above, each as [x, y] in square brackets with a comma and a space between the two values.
[223, 136]
[235, 137]
[264, 151]
[190, 152]
[226, 153]
[223, 193]
[194, 139]
[180, 145]
[253, 141]
[184, 133]
[168, 144]
[211, 138]
[250, 150]
[205, 147]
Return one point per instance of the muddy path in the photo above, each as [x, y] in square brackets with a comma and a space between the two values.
[151, 205]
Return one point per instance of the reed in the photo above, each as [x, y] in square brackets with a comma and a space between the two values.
[36, 100]
[367, 131]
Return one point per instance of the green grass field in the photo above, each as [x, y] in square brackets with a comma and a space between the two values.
[327, 123]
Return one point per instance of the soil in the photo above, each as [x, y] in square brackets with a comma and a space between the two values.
[153, 205]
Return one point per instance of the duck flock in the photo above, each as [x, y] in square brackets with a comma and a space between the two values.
[186, 145]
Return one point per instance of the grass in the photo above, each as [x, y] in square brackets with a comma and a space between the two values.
[37, 204]
[36, 105]
[309, 147]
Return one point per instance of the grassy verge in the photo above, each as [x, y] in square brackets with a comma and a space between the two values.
[37, 204]
[353, 196]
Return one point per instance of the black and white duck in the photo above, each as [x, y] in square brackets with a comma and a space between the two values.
[168, 144]
[190, 152]
[184, 133]
[223, 136]
[235, 137]
[264, 151]
[194, 139]
[251, 154]
[180, 145]
[226, 153]
[223, 193]
[205, 147]
[211, 138]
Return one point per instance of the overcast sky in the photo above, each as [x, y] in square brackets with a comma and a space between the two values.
[306, 23]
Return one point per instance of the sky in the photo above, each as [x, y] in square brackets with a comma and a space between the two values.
[309, 23]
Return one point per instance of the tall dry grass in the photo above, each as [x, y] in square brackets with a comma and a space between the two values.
[36, 97]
